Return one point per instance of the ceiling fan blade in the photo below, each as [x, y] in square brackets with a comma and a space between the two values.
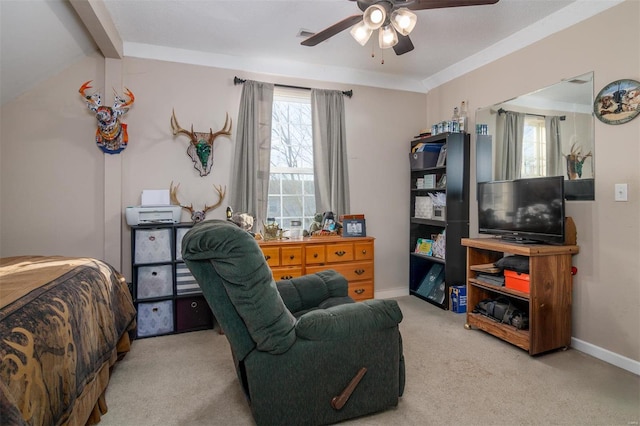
[403, 46]
[438, 4]
[331, 31]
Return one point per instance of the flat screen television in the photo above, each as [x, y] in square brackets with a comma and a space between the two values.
[528, 210]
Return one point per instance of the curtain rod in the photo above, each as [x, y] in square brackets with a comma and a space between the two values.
[502, 111]
[237, 80]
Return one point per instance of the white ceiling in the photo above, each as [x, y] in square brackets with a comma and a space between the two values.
[41, 37]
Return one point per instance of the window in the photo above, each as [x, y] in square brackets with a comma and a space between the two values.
[291, 189]
[534, 147]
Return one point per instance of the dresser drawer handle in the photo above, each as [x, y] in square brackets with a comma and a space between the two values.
[315, 255]
[359, 271]
[341, 253]
[267, 257]
[364, 251]
[292, 257]
[286, 277]
[359, 291]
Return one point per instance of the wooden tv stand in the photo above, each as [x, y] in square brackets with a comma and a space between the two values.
[548, 302]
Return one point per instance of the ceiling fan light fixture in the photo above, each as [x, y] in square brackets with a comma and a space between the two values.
[361, 33]
[403, 20]
[387, 37]
[374, 16]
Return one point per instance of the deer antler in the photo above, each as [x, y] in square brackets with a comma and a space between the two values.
[221, 193]
[93, 101]
[121, 103]
[177, 129]
[173, 195]
[224, 131]
[197, 216]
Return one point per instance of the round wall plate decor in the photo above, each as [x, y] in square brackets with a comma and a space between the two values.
[618, 102]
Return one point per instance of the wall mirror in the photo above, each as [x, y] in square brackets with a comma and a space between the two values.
[549, 132]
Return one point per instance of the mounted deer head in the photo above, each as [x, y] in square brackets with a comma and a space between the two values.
[111, 135]
[196, 216]
[201, 147]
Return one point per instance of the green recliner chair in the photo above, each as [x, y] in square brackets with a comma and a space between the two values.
[304, 352]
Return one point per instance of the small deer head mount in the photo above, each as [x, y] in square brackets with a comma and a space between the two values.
[201, 147]
[111, 135]
[196, 216]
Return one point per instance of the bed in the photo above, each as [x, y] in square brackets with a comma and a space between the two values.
[64, 322]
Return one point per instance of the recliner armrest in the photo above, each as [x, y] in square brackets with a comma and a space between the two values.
[340, 322]
[307, 292]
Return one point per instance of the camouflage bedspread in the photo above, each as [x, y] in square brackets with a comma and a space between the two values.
[61, 320]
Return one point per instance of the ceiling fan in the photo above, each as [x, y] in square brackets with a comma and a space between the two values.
[393, 18]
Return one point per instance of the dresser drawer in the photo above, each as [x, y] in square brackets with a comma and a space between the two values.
[314, 254]
[363, 251]
[290, 256]
[152, 245]
[340, 252]
[361, 290]
[271, 255]
[356, 270]
[286, 273]
[353, 271]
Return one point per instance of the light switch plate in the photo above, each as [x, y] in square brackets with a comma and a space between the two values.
[621, 192]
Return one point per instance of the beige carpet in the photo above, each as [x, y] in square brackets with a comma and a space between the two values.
[454, 377]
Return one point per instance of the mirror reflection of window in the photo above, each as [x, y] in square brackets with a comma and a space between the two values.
[534, 147]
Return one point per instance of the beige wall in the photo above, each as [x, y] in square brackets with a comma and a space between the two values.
[53, 193]
[52, 173]
[52, 177]
[606, 296]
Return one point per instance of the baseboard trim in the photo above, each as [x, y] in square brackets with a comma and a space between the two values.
[389, 294]
[606, 355]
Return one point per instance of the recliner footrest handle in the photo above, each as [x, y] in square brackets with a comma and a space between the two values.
[337, 402]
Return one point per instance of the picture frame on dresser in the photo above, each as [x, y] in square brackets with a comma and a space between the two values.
[354, 228]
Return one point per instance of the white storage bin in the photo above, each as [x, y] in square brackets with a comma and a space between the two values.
[179, 235]
[155, 318]
[154, 281]
[153, 245]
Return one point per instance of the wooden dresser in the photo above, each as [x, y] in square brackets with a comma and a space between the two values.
[352, 257]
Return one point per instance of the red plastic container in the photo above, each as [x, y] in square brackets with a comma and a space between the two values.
[516, 281]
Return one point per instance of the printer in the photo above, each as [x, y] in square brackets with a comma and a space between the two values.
[148, 215]
[155, 208]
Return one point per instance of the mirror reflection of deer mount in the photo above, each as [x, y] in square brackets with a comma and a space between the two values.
[553, 135]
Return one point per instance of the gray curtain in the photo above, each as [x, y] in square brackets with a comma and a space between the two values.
[331, 175]
[250, 172]
[554, 151]
[510, 151]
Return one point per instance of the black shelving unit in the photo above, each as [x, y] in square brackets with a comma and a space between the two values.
[167, 297]
[456, 222]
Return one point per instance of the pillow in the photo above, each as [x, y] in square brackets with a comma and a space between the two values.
[514, 263]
